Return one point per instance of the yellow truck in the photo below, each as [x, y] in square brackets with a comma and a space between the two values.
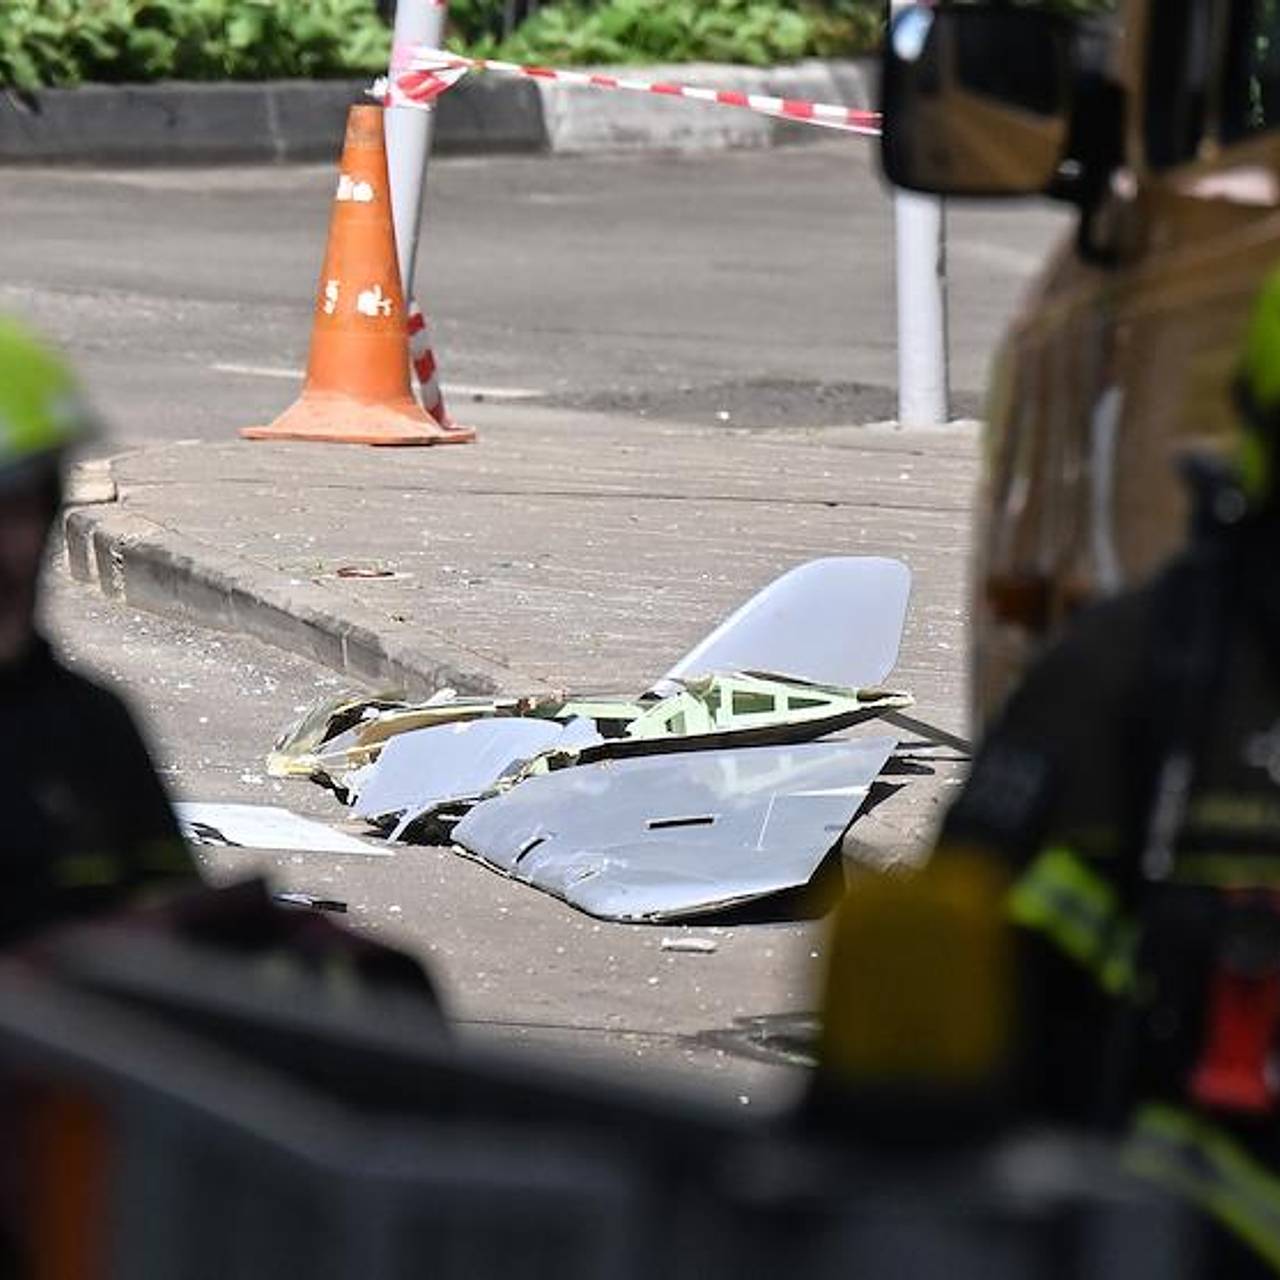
[1160, 123]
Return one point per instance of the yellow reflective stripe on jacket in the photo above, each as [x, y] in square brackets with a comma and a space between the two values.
[87, 871]
[1227, 870]
[1060, 896]
[164, 858]
[1184, 1154]
[167, 856]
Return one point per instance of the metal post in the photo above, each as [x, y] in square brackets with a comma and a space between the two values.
[409, 132]
[923, 391]
[920, 233]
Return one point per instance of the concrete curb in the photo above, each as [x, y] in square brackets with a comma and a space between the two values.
[582, 121]
[146, 566]
[293, 121]
[271, 122]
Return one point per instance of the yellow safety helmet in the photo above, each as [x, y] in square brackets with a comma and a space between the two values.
[42, 413]
[1257, 390]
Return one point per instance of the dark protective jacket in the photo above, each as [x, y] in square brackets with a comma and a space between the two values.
[85, 821]
[1133, 784]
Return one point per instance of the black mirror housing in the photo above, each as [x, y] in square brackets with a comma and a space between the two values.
[977, 99]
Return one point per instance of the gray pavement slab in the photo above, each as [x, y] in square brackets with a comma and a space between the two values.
[564, 550]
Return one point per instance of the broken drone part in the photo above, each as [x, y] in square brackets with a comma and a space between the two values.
[697, 714]
[432, 768]
[292, 751]
[365, 571]
[836, 621]
[308, 902]
[691, 946]
[738, 710]
[931, 734]
[358, 728]
[667, 837]
[832, 627]
[422, 774]
[251, 826]
[430, 818]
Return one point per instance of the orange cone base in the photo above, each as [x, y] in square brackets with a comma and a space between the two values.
[334, 418]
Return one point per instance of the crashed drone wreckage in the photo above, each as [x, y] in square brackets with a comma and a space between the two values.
[721, 755]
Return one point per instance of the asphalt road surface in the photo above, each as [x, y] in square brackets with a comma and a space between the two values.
[757, 285]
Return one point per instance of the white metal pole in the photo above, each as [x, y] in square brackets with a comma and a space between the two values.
[920, 235]
[920, 228]
[408, 131]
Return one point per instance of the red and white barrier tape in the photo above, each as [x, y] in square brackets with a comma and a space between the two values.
[422, 89]
[423, 74]
[423, 358]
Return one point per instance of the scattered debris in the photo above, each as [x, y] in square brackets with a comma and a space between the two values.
[337, 737]
[364, 571]
[691, 946]
[331, 746]
[709, 790]
[306, 902]
[90, 483]
[249, 826]
[803, 658]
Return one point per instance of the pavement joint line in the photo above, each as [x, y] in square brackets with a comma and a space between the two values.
[474, 391]
[602, 493]
[256, 370]
[460, 390]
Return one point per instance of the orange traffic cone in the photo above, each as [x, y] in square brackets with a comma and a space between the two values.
[357, 389]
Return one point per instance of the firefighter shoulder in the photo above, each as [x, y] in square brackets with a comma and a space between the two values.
[931, 967]
[1129, 795]
[88, 822]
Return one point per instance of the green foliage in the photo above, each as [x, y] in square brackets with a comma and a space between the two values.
[471, 21]
[65, 42]
[760, 32]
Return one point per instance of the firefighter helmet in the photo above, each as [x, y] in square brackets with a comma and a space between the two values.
[42, 413]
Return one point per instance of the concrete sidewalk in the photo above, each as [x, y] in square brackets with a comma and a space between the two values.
[564, 550]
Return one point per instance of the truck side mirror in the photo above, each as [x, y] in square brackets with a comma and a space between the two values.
[977, 99]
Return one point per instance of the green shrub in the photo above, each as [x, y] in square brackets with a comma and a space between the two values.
[471, 21]
[65, 42]
[759, 32]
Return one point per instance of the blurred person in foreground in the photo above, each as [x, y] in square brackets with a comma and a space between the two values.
[93, 868]
[1131, 791]
[87, 828]
[86, 822]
